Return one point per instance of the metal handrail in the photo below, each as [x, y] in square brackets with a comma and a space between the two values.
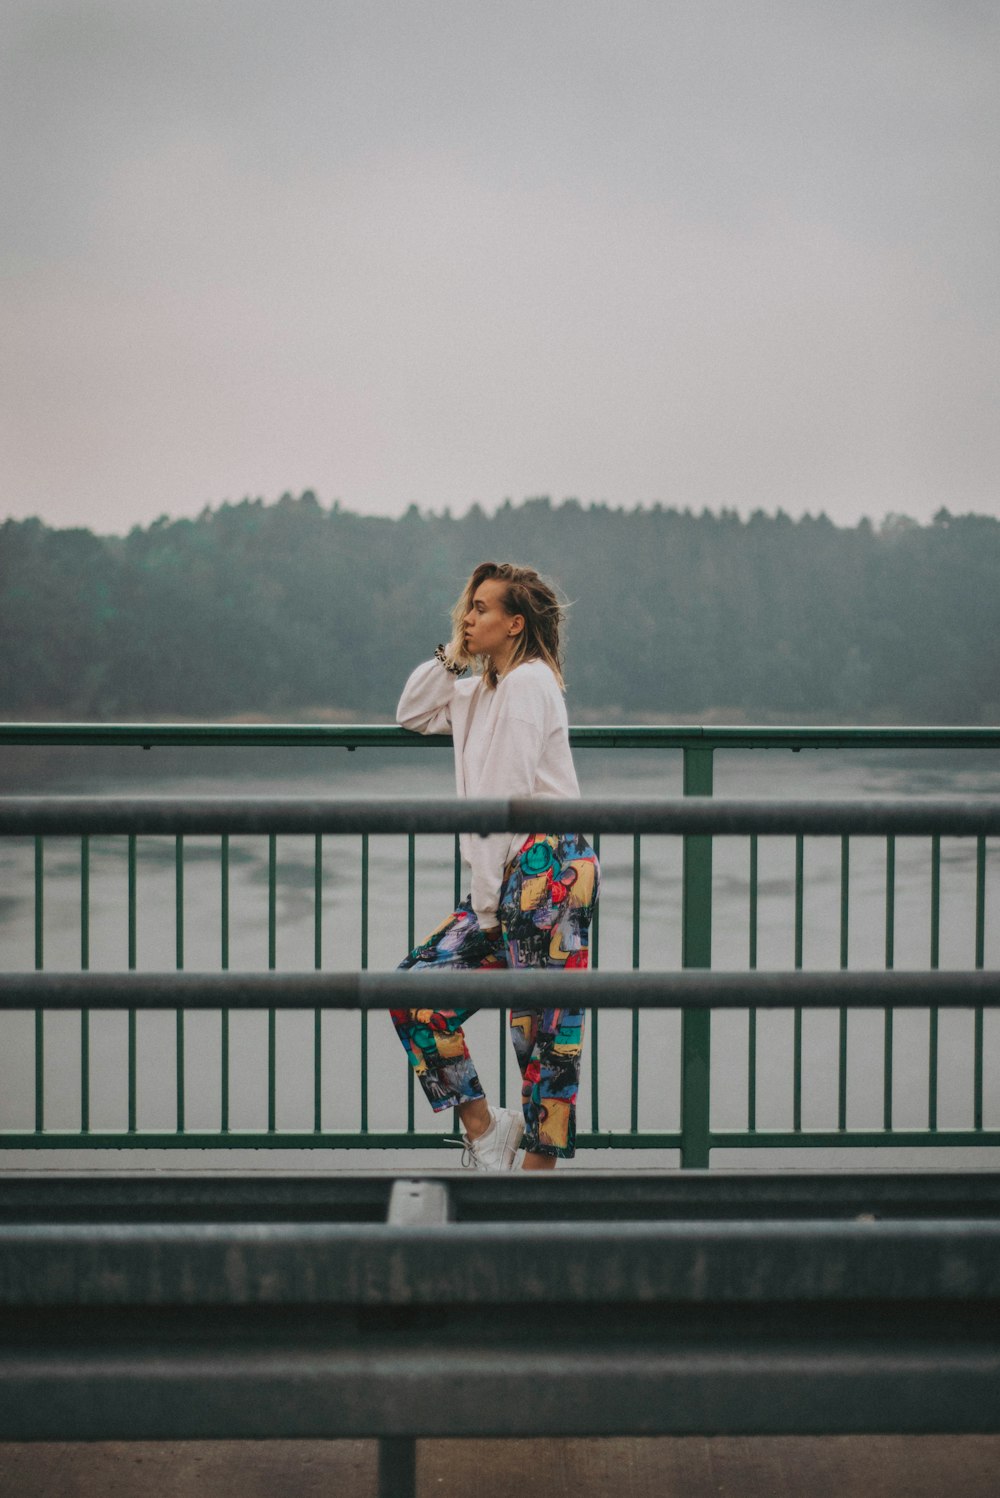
[685, 816]
[582, 735]
[690, 989]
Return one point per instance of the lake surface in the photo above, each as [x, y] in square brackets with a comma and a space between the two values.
[833, 774]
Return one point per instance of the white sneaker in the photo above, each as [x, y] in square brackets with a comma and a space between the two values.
[497, 1148]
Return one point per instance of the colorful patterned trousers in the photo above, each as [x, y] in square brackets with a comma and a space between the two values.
[546, 905]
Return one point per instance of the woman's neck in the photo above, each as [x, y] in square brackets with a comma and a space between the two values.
[502, 663]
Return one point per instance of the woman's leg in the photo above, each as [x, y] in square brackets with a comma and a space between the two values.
[433, 1038]
[548, 1045]
[547, 906]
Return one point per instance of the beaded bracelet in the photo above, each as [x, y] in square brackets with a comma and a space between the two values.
[452, 666]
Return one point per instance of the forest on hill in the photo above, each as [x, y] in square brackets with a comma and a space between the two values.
[297, 609]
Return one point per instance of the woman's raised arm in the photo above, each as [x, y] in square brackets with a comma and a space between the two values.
[425, 706]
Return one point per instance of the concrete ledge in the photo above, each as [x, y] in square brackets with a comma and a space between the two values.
[660, 1467]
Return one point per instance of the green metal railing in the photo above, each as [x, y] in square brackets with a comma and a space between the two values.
[692, 737]
[693, 1136]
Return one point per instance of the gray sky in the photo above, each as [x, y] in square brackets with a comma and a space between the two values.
[706, 252]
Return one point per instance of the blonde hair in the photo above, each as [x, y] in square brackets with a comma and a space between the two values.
[531, 596]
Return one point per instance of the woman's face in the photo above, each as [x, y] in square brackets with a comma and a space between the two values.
[487, 628]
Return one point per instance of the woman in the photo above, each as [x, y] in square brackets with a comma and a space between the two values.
[532, 894]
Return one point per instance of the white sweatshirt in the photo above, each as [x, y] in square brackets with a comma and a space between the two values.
[510, 742]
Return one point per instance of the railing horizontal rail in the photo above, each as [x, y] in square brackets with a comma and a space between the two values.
[691, 989]
[582, 736]
[477, 1196]
[715, 816]
[623, 1263]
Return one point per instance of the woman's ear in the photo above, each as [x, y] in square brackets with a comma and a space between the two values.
[515, 626]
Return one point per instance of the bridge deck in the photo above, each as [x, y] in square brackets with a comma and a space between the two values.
[658, 1467]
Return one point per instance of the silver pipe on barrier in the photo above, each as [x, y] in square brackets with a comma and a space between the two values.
[691, 989]
[56, 816]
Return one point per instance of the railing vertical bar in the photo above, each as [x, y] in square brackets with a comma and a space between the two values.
[594, 1016]
[39, 963]
[799, 885]
[224, 958]
[364, 965]
[696, 952]
[272, 962]
[132, 1017]
[179, 900]
[890, 958]
[842, 1071]
[224, 1098]
[411, 891]
[890, 900]
[272, 1071]
[797, 1041]
[636, 898]
[39, 1071]
[753, 898]
[845, 899]
[752, 1018]
[595, 928]
[84, 902]
[932, 1077]
[317, 1070]
[272, 901]
[977, 1108]
[179, 1014]
[842, 1025]
[84, 966]
[224, 920]
[980, 901]
[845, 936]
[458, 871]
[932, 1069]
[132, 882]
[411, 941]
[318, 902]
[935, 900]
[317, 964]
[39, 903]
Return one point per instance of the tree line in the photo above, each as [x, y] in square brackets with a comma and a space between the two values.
[294, 607]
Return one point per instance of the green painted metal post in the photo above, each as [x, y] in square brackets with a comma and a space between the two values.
[39, 964]
[696, 951]
[397, 1467]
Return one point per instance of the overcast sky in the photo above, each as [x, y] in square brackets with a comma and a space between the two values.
[704, 252]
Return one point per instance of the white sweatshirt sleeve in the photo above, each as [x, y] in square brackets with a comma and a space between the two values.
[425, 706]
[510, 769]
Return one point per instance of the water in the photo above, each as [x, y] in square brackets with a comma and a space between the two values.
[827, 774]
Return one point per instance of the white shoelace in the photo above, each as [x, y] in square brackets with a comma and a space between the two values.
[468, 1151]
